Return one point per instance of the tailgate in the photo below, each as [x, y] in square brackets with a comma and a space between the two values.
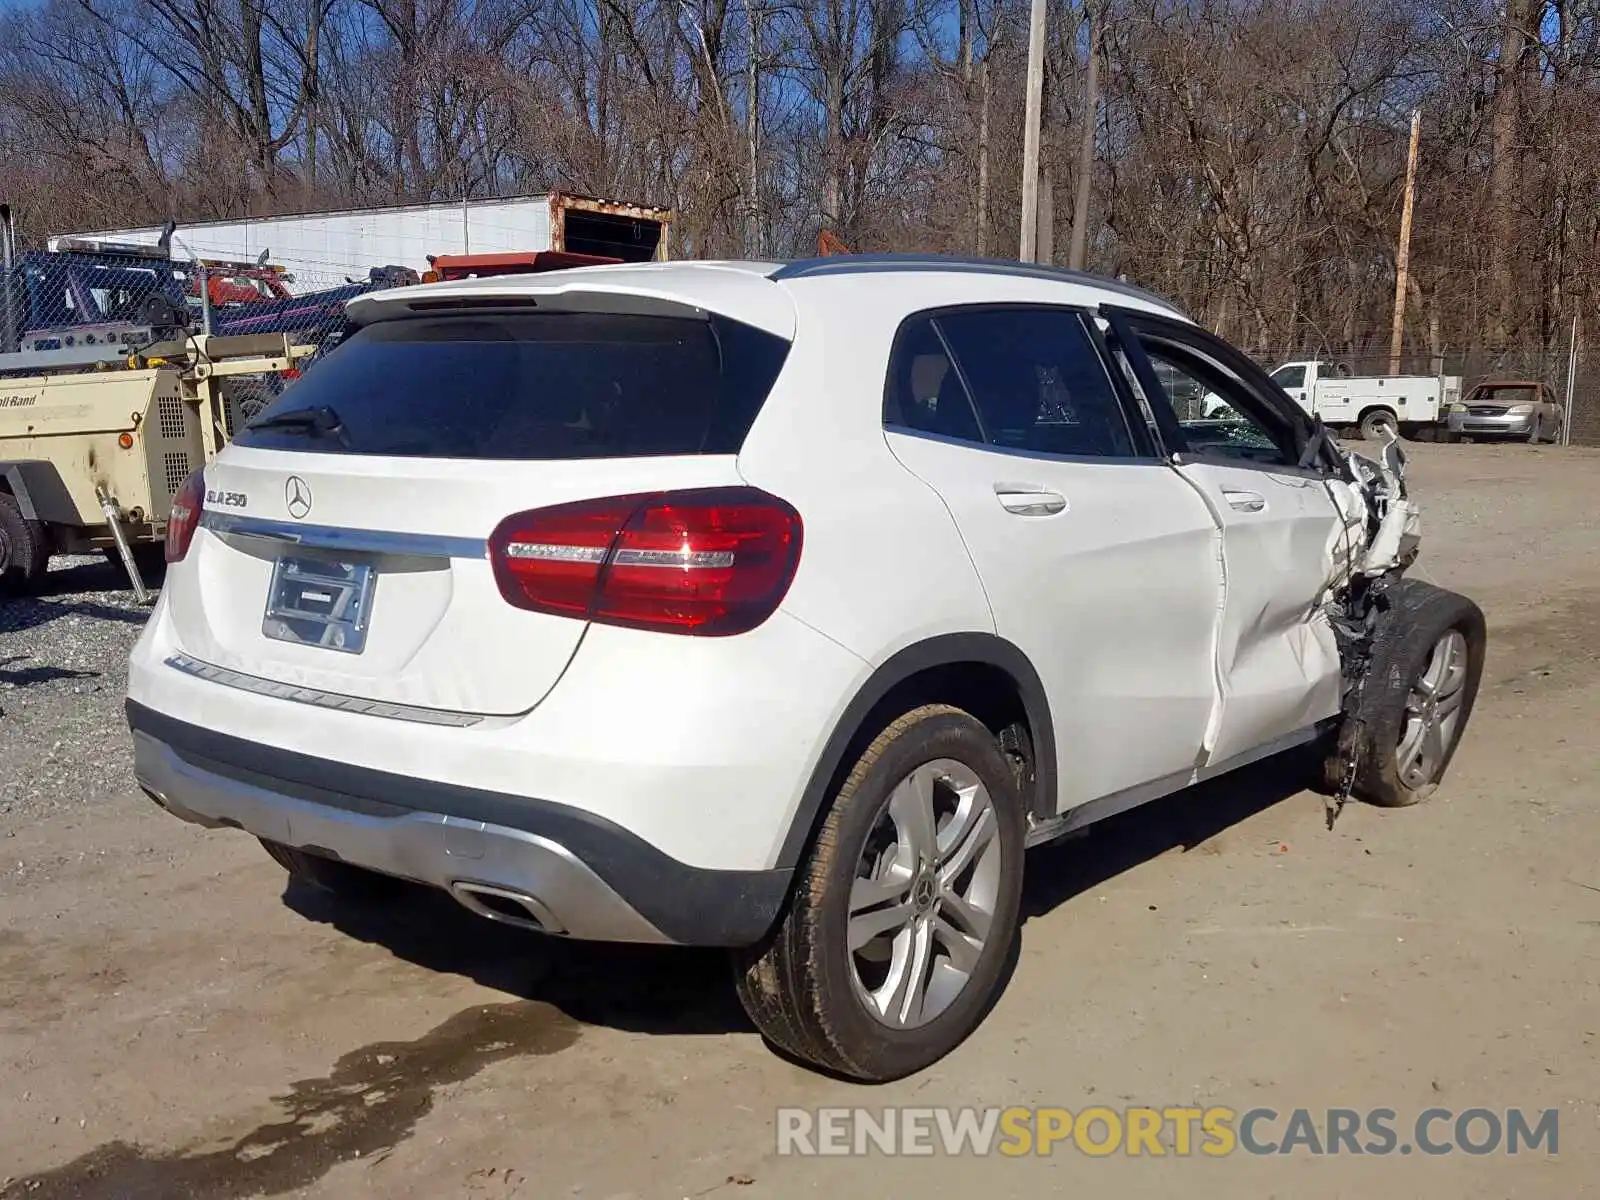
[347, 553]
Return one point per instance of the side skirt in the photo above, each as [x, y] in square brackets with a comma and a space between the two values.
[1075, 820]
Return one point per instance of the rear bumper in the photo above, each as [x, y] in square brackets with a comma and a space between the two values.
[584, 876]
[701, 748]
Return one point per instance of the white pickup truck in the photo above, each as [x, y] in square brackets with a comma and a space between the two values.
[1407, 403]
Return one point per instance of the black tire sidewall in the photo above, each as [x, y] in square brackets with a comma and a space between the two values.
[1419, 616]
[23, 564]
[879, 1050]
[1370, 423]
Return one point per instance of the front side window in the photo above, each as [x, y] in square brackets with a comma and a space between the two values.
[1219, 424]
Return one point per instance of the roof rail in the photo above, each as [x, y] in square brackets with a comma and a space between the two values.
[852, 264]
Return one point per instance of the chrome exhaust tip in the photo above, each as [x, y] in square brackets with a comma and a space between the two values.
[506, 905]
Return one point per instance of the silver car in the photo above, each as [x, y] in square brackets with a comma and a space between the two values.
[1509, 408]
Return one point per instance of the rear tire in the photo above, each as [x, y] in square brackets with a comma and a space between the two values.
[330, 874]
[894, 942]
[1374, 421]
[24, 550]
[1427, 660]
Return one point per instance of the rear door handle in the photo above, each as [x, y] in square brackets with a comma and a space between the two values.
[1029, 500]
[1245, 501]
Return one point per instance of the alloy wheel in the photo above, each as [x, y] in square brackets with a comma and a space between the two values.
[1433, 713]
[924, 895]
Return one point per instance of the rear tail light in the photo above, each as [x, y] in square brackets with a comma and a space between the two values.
[712, 561]
[184, 516]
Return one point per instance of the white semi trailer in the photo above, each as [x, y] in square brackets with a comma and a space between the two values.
[333, 244]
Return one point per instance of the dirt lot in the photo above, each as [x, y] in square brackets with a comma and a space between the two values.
[174, 1022]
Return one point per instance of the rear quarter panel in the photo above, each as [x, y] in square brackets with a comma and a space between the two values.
[883, 565]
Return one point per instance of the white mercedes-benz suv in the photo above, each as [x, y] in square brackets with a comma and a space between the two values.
[780, 608]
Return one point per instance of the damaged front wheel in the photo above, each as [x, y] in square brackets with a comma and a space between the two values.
[1427, 659]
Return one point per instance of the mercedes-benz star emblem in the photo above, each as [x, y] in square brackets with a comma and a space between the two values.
[297, 495]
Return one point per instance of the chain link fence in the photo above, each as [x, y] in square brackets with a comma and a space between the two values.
[80, 309]
[90, 309]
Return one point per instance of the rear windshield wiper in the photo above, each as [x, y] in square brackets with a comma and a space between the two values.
[319, 420]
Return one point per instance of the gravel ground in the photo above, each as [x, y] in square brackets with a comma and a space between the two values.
[176, 1021]
[63, 675]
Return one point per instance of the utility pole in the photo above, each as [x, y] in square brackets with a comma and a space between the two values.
[1091, 102]
[1402, 258]
[1572, 384]
[752, 125]
[1045, 248]
[8, 303]
[1029, 248]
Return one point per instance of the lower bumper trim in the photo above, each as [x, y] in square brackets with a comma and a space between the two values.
[584, 876]
[1515, 427]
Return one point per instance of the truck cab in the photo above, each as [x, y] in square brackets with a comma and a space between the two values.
[233, 284]
[1300, 378]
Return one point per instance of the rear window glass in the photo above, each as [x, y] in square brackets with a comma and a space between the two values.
[529, 386]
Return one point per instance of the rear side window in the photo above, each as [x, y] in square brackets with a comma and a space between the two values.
[530, 386]
[925, 391]
[1026, 379]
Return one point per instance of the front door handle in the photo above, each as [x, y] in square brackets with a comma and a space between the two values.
[1250, 502]
[1029, 500]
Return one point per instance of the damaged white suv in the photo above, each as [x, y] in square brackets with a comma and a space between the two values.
[778, 608]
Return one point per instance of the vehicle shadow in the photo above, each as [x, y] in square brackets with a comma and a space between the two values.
[24, 676]
[87, 574]
[79, 581]
[639, 989]
[21, 615]
[1058, 873]
[671, 990]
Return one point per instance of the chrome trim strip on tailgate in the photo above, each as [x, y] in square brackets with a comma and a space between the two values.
[319, 699]
[329, 537]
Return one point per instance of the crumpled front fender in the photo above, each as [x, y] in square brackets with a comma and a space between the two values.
[1381, 528]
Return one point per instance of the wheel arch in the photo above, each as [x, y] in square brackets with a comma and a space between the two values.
[39, 490]
[923, 671]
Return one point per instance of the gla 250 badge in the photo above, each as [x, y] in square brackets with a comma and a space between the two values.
[219, 499]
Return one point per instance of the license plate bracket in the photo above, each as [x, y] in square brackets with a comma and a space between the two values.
[320, 602]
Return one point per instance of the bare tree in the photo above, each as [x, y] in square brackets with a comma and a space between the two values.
[1248, 156]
